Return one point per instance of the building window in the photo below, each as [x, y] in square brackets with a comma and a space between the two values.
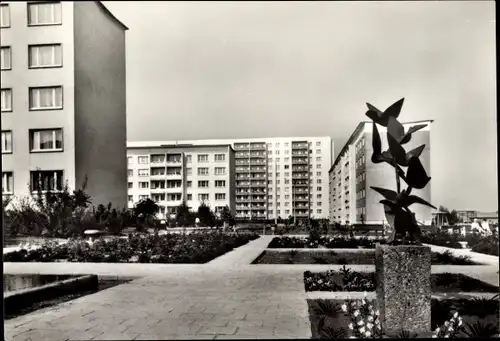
[6, 142]
[189, 158]
[6, 100]
[46, 98]
[277, 145]
[318, 188]
[220, 170]
[318, 181]
[318, 143]
[143, 197]
[7, 183]
[130, 185]
[189, 184]
[46, 180]
[130, 198]
[318, 211]
[5, 58]
[142, 159]
[45, 56]
[46, 140]
[318, 203]
[4, 16]
[318, 173]
[220, 183]
[318, 196]
[129, 160]
[318, 165]
[143, 184]
[220, 196]
[130, 172]
[203, 196]
[203, 158]
[189, 171]
[143, 172]
[203, 171]
[203, 184]
[44, 13]
[189, 197]
[318, 158]
[220, 157]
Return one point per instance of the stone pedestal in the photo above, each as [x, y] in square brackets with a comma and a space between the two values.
[404, 288]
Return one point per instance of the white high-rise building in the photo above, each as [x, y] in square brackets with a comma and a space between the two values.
[273, 177]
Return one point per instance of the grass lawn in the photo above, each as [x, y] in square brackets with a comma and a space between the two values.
[333, 257]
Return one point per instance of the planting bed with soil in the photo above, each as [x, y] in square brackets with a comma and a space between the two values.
[479, 318]
[170, 248]
[348, 280]
[327, 242]
[355, 257]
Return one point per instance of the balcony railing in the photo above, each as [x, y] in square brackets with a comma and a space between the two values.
[258, 147]
[300, 161]
[242, 184]
[299, 153]
[300, 146]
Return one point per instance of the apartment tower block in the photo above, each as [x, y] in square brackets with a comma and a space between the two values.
[63, 99]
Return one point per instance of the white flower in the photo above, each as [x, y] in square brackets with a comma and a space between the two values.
[447, 336]
[446, 323]
[368, 334]
[360, 323]
[434, 336]
[362, 329]
[344, 307]
[459, 323]
[455, 315]
[352, 337]
[369, 325]
[356, 313]
[363, 302]
[377, 312]
[351, 326]
[320, 281]
[438, 330]
[370, 318]
[450, 329]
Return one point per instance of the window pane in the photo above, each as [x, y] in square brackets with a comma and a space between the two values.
[46, 140]
[4, 16]
[59, 139]
[6, 100]
[5, 58]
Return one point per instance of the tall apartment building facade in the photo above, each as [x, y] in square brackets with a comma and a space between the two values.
[275, 177]
[352, 201]
[171, 174]
[63, 98]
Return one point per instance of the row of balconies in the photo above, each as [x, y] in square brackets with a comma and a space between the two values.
[301, 145]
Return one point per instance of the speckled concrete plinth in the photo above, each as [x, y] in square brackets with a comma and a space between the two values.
[404, 287]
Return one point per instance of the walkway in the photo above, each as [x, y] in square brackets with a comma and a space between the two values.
[226, 298]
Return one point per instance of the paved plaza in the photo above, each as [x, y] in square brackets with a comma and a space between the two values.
[225, 298]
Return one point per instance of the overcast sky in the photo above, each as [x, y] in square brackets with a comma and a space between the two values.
[199, 70]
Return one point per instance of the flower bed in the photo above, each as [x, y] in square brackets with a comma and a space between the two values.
[169, 248]
[328, 242]
[348, 280]
[333, 257]
[332, 319]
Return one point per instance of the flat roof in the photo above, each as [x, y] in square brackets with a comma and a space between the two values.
[173, 146]
[355, 134]
[109, 14]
